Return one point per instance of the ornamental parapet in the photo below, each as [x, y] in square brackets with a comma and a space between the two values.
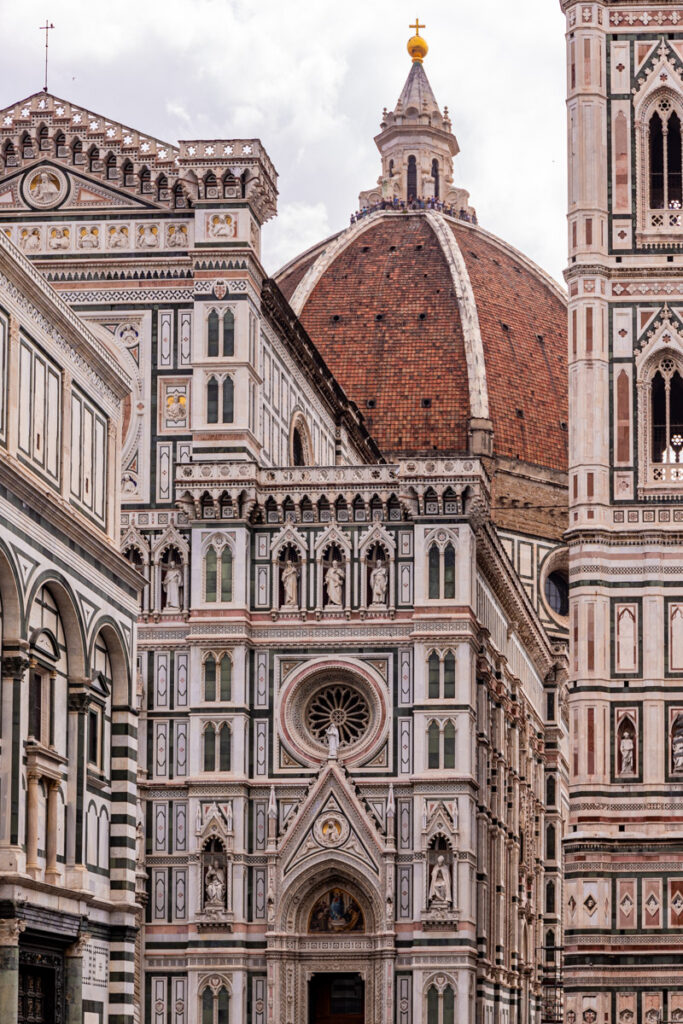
[410, 488]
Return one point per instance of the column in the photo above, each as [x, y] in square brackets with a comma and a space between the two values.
[10, 930]
[73, 981]
[33, 803]
[12, 726]
[52, 870]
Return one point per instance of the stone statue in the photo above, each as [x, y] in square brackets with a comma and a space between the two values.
[626, 751]
[440, 885]
[59, 238]
[30, 240]
[379, 581]
[175, 409]
[334, 583]
[118, 237]
[44, 190]
[290, 578]
[140, 844]
[221, 226]
[89, 238]
[171, 582]
[332, 734]
[214, 885]
[177, 236]
[677, 746]
[148, 236]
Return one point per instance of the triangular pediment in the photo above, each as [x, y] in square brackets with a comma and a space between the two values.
[332, 821]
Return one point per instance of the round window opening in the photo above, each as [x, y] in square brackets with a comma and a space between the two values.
[342, 705]
[557, 592]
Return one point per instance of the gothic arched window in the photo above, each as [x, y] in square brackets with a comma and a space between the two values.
[550, 850]
[228, 333]
[228, 400]
[433, 737]
[210, 678]
[550, 897]
[210, 748]
[298, 458]
[449, 676]
[212, 333]
[110, 167]
[226, 574]
[434, 676]
[550, 791]
[225, 677]
[667, 413]
[224, 747]
[440, 1005]
[434, 572]
[210, 575]
[412, 178]
[435, 177]
[664, 131]
[215, 1006]
[449, 745]
[449, 572]
[212, 401]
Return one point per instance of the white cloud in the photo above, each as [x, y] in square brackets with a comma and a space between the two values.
[311, 79]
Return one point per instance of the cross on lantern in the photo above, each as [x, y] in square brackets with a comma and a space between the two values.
[45, 28]
[417, 26]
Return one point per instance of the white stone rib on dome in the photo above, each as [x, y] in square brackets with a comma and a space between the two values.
[462, 286]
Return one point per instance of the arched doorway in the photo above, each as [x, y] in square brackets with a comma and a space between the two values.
[329, 949]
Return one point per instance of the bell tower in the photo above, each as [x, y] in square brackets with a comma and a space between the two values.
[416, 142]
[623, 894]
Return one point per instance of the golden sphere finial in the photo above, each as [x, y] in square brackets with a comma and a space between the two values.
[417, 47]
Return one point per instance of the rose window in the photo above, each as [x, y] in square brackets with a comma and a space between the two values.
[339, 705]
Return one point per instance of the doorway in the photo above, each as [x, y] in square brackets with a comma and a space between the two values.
[36, 995]
[336, 999]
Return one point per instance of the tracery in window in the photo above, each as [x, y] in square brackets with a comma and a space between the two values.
[215, 1003]
[218, 574]
[440, 1005]
[667, 413]
[441, 745]
[217, 747]
[665, 158]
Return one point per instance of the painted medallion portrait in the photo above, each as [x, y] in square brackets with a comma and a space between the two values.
[336, 911]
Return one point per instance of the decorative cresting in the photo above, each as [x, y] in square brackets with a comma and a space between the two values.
[658, 112]
[659, 375]
[347, 694]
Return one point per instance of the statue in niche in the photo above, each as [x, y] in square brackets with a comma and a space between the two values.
[626, 752]
[290, 581]
[140, 843]
[334, 584]
[379, 583]
[214, 885]
[677, 745]
[440, 883]
[171, 583]
[332, 734]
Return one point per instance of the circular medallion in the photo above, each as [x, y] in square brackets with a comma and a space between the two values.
[44, 188]
[331, 830]
[333, 697]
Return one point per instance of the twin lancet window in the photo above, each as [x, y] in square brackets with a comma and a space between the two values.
[666, 169]
[220, 390]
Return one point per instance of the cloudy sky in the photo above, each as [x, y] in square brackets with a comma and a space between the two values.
[310, 78]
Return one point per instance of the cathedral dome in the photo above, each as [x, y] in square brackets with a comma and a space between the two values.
[448, 339]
